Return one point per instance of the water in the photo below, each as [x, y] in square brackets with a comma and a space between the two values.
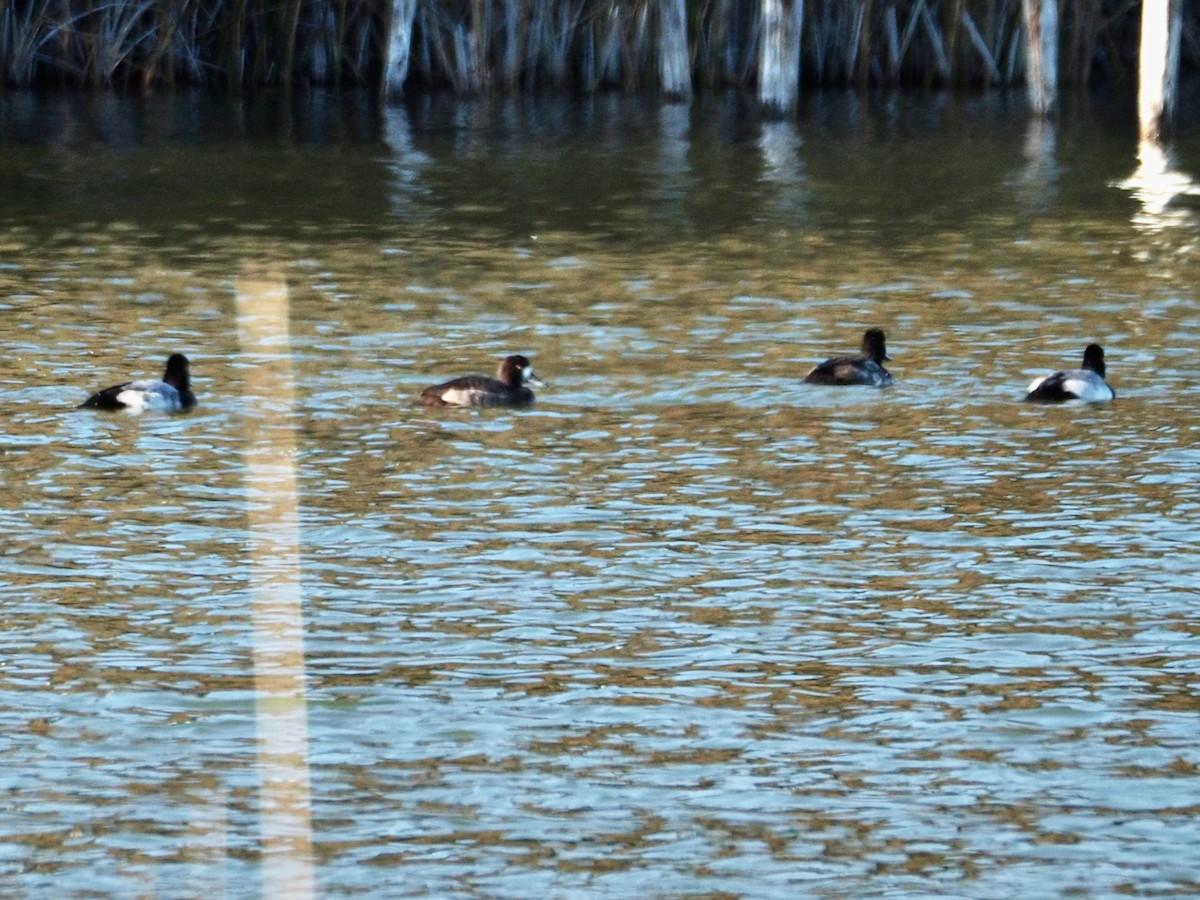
[685, 628]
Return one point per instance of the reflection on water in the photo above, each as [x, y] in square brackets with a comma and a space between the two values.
[1158, 185]
[273, 530]
[686, 621]
[1038, 179]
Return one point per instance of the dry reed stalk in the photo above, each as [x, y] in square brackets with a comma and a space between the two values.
[112, 33]
[510, 58]
[186, 42]
[951, 27]
[475, 46]
[360, 51]
[438, 47]
[1078, 47]
[1041, 55]
[910, 30]
[893, 44]
[856, 41]
[609, 57]
[230, 56]
[259, 49]
[940, 59]
[533, 41]
[633, 63]
[863, 69]
[289, 24]
[849, 25]
[339, 40]
[981, 47]
[1158, 77]
[779, 55]
[460, 40]
[160, 63]
[1013, 56]
[674, 60]
[569, 15]
[481, 34]
[724, 52]
[819, 29]
[315, 45]
[21, 42]
[397, 44]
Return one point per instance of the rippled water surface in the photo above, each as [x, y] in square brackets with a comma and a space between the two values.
[687, 627]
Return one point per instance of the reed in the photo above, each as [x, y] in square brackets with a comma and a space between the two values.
[779, 59]
[485, 46]
[674, 58]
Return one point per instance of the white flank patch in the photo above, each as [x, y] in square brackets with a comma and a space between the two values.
[140, 396]
[1084, 385]
[458, 396]
[1088, 386]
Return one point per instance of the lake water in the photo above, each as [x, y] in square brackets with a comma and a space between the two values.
[687, 627]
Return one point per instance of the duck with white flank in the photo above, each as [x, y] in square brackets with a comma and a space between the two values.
[172, 394]
[508, 388]
[1085, 383]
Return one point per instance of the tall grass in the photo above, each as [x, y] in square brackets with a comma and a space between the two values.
[484, 46]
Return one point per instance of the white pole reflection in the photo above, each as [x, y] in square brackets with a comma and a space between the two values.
[1036, 185]
[674, 146]
[1156, 184]
[407, 161]
[274, 537]
[780, 146]
[779, 143]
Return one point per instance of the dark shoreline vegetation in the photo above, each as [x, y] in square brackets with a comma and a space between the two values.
[475, 47]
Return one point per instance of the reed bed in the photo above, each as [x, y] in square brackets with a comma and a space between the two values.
[486, 46]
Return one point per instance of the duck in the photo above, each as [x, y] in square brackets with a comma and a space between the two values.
[172, 394]
[508, 388]
[1085, 383]
[865, 368]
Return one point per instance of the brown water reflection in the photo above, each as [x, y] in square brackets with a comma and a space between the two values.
[687, 622]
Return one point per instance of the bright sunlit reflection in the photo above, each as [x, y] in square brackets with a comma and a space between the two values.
[1157, 185]
[274, 536]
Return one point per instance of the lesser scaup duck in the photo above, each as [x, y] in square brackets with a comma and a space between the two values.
[1085, 383]
[864, 369]
[508, 388]
[171, 394]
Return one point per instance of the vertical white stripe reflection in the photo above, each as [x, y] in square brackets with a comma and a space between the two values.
[274, 539]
